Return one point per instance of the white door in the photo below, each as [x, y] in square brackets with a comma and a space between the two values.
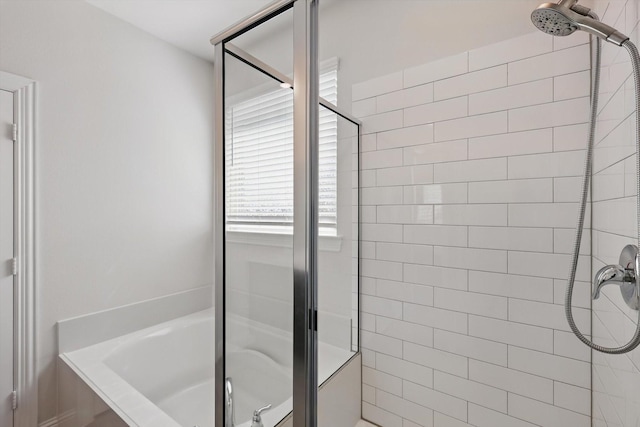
[6, 257]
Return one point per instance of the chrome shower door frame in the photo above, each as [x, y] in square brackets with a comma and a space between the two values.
[219, 237]
[305, 212]
[305, 226]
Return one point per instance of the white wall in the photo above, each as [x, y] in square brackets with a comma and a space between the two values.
[616, 379]
[471, 173]
[123, 163]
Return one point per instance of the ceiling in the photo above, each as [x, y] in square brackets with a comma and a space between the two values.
[187, 24]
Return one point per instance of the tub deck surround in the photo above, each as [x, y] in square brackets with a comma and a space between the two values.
[163, 375]
[118, 321]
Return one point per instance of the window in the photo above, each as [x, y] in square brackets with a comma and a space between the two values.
[259, 159]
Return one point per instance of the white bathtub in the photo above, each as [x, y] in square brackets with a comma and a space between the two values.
[163, 375]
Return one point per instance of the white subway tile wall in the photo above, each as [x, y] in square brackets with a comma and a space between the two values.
[616, 379]
[468, 222]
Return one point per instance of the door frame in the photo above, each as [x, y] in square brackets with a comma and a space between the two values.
[25, 364]
[305, 223]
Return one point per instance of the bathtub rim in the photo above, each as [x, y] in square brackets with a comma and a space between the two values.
[139, 410]
[101, 394]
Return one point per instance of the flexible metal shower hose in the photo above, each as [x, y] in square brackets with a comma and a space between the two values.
[635, 61]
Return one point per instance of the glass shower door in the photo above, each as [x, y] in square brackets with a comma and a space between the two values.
[258, 163]
[278, 191]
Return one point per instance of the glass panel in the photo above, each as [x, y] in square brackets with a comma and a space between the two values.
[338, 249]
[259, 239]
[259, 195]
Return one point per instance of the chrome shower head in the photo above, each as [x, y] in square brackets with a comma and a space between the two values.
[552, 21]
[567, 16]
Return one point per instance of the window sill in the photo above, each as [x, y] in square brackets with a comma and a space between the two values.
[326, 243]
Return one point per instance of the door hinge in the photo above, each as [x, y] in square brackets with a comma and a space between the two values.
[15, 132]
[14, 400]
[14, 266]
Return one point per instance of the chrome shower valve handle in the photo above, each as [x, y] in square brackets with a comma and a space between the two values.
[624, 275]
[610, 275]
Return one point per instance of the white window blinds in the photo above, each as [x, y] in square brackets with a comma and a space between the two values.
[259, 158]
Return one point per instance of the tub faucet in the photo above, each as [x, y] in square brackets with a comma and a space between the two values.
[257, 419]
[229, 414]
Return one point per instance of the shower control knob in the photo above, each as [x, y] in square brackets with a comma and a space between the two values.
[624, 275]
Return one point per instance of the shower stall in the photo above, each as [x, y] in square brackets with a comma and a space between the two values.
[286, 225]
[442, 318]
[406, 265]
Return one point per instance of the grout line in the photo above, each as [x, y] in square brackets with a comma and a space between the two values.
[403, 380]
[473, 336]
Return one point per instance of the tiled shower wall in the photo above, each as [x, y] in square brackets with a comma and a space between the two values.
[471, 176]
[470, 189]
[616, 379]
